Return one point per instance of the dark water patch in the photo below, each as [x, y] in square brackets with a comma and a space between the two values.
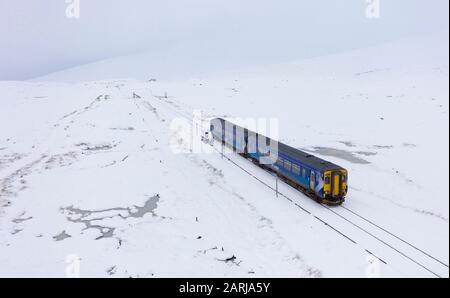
[61, 236]
[78, 216]
[339, 153]
[91, 219]
[149, 207]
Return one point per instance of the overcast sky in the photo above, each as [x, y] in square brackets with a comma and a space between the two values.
[37, 38]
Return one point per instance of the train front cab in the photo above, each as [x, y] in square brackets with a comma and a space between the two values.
[335, 187]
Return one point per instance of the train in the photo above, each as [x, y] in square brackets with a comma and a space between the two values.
[323, 181]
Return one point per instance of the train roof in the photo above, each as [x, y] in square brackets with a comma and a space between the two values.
[302, 156]
[307, 158]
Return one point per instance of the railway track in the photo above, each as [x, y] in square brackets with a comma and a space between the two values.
[395, 236]
[404, 248]
[387, 247]
[387, 239]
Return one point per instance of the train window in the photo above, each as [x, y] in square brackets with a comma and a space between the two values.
[343, 178]
[251, 146]
[280, 162]
[287, 165]
[327, 180]
[295, 169]
[304, 172]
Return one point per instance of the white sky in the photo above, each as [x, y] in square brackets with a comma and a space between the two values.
[37, 38]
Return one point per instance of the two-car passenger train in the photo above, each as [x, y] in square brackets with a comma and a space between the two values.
[322, 180]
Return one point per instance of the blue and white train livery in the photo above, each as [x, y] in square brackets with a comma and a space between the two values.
[324, 181]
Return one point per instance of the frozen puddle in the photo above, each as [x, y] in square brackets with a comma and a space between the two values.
[343, 154]
[61, 236]
[91, 219]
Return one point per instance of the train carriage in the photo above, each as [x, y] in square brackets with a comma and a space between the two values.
[324, 181]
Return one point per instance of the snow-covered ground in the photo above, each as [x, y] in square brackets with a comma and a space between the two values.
[88, 174]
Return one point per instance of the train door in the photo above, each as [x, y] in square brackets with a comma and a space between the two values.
[312, 181]
[223, 132]
[257, 145]
[336, 184]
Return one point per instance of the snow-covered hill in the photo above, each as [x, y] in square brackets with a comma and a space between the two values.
[88, 172]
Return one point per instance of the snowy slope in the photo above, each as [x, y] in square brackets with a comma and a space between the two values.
[93, 159]
[87, 171]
